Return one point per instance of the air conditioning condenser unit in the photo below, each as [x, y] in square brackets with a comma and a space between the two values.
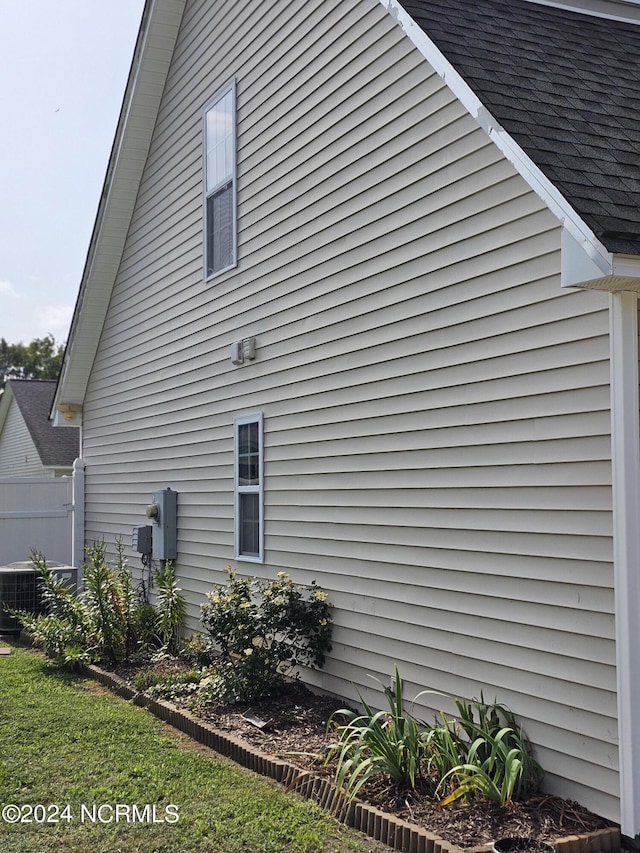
[20, 589]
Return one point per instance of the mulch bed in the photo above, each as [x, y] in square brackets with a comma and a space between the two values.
[296, 730]
[298, 723]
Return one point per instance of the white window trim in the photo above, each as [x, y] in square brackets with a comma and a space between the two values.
[238, 489]
[228, 87]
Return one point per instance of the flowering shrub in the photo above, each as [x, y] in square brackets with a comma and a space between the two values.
[264, 630]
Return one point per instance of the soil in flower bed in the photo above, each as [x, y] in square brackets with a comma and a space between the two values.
[297, 723]
[296, 730]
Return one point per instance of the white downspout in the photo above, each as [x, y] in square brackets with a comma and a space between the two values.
[77, 546]
[625, 457]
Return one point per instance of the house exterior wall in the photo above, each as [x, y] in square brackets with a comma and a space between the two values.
[18, 454]
[436, 410]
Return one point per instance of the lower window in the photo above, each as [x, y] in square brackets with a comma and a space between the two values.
[248, 487]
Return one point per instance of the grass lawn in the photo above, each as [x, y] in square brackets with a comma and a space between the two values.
[70, 747]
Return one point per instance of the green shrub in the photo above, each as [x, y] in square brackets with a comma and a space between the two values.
[229, 682]
[146, 679]
[264, 631]
[145, 627]
[67, 632]
[107, 620]
[199, 650]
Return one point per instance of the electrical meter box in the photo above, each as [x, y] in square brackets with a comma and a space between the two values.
[163, 511]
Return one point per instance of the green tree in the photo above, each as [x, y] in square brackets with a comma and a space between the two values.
[40, 359]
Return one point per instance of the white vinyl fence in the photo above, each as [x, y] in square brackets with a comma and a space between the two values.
[36, 513]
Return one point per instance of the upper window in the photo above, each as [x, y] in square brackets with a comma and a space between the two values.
[220, 182]
[249, 487]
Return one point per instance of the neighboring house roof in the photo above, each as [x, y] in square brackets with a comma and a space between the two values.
[566, 87]
[555, 90]
[57, 447]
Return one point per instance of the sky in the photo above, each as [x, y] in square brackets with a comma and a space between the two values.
[63, 71]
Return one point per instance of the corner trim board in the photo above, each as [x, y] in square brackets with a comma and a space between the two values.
[625, 461]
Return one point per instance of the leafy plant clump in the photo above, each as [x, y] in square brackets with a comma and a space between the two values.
[489, 757]
[391, 743]
[482, 754]
[171, 686]
[264, 631]
[108, 620]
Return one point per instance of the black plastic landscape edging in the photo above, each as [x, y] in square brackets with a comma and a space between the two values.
[387, 828]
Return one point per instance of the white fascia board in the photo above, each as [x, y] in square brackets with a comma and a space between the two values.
[627, 11]
[627, 266]
[535, 178]
[149, 69]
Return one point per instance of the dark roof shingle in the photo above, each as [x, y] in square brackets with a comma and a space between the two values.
[56, 446]
[566, 86]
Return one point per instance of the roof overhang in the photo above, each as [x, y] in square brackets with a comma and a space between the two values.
[67, 415]
[151, 60]
[584, 266]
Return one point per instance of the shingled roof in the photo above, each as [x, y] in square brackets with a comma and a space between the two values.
[566, 87]
[57, 446]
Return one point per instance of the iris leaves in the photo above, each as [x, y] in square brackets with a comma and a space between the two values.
[482, 753]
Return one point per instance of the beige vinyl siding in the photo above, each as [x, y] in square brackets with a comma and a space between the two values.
[18, 454]
[437, 448]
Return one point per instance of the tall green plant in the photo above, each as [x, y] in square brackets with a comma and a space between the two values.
[390, 742]
[102, 622]
[443, 747]
[132, 603]
[67, 631]
[171, 609]
[496, 777]
[482, 753]
[104, 595]
[486, 755]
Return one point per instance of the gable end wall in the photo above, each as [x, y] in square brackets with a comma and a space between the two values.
[18, 454]
[436, 410]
